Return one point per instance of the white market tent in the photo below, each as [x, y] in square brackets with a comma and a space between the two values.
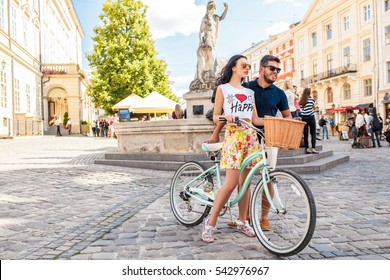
[154, 103]
[128, 102]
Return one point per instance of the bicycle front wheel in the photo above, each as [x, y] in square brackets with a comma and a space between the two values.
[187, 210]
[293, 222]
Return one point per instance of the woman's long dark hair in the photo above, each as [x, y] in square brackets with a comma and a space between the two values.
[226, 73]
[305, 97]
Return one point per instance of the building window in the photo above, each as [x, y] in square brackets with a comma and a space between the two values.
[329, 95]
[17, 96]
[387, 5]
[347, 56]
[366, 50]
[347, 91]
[38, 112]
[3, 88]
[346, 23]
[13, 22]
[2, 15]
[367, 87]
[315, 67]
[302, 70]
[289, 65]
[388, 71]
[301, 45]
[314, 39]
[287, 45]
[28, 99]
[328, 29]
[367, 13]
[387, 34]
[329, 63]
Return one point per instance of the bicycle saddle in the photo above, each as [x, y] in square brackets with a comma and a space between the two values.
[211, 147]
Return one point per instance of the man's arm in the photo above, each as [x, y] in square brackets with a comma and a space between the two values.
[287, 114]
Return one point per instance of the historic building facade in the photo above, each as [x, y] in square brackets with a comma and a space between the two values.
[40, 58]
[340, 49]
[383, 33]
[336, 53]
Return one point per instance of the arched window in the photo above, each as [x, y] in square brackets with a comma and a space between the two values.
[347, 91]
[329, 95]
[314, 95]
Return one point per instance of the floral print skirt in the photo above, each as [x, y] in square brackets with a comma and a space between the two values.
[239, 142]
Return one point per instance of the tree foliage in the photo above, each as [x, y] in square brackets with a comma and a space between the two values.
[124, 57]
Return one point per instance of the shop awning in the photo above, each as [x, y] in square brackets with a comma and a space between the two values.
[345, 109]
[366, 105]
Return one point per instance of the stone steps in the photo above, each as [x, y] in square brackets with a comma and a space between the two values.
[295, 160]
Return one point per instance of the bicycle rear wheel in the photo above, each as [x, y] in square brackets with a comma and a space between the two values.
[292, 226]
[187, 210]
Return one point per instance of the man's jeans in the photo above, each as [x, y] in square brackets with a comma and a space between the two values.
[325, 130]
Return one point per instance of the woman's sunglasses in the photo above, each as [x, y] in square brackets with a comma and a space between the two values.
[273, 68]
[246, 65]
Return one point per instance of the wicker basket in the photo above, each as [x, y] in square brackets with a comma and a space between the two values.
[285, 134]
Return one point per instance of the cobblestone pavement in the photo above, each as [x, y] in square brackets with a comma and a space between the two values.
[56, 204]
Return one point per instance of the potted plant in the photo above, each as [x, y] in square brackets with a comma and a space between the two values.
[85, 127]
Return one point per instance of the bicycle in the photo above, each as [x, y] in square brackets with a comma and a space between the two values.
[292, 213]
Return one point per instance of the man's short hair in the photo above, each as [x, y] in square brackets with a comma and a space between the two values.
[267, 58]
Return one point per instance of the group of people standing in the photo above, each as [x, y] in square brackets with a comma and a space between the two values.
[366, 123]
[104, 128]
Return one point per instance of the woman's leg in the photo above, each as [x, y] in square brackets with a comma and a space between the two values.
[223, 194]
[312, 125]
[243, 204]
[306, 135]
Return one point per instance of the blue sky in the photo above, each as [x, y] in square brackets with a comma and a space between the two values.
[174, 25]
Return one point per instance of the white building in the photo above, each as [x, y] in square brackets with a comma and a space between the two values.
[40, 58]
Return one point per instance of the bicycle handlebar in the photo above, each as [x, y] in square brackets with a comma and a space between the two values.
[238, 121]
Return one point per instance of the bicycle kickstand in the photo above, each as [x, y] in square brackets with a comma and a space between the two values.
[231, 223]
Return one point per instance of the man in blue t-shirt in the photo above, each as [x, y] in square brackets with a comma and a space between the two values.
[269, 98]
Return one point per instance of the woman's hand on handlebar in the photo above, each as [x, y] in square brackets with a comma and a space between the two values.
[228, 118]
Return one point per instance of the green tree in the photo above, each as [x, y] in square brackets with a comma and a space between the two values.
[124, 59]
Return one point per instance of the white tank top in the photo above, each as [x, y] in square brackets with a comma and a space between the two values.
[238, 102]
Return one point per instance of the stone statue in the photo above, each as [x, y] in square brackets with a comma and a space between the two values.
[208, 33]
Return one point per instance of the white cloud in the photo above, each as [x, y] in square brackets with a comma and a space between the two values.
[173, 17]
[181, 84]
[277, 28]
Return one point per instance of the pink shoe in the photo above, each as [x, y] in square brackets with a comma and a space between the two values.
[245, 228]
[208, 232]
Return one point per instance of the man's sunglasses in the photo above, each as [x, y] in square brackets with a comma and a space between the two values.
[246, 65]
[273, 68]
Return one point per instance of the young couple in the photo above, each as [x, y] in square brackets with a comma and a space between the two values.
[252, 102]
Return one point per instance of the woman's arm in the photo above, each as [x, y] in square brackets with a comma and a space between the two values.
[256, 120]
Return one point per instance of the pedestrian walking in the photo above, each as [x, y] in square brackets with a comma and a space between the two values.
[57, 123]
[69, 126]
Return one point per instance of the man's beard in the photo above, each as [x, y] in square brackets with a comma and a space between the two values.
[268, 81]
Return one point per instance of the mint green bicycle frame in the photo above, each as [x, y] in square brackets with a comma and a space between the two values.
[198, 193]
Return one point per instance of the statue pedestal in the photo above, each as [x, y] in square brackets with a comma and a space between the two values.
[198, 103]
[166, 136]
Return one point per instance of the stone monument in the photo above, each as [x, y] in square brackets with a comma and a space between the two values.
[201, 88]
[184, 136]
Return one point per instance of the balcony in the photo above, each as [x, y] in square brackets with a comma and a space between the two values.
[61, 69]
[328, 75]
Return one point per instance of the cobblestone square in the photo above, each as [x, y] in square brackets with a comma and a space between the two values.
[56, 204]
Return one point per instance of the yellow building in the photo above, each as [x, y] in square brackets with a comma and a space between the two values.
[336, 53]
[383, 33]
[40, 58]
